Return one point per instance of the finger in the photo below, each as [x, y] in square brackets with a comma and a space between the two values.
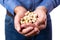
[27, 25]
[23, 26]
[32, 33]
[37, 30]
[17, 24]
[27, 30]
[42, 26]
[39, 22]
[30, 24]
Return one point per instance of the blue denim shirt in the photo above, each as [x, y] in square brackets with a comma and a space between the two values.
[11, 33]
[29, 4]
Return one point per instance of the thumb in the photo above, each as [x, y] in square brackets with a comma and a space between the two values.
[17, 24]
[17, 27]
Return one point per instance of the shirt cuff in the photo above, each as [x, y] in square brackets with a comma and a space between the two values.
[11, 4]
[48, 5]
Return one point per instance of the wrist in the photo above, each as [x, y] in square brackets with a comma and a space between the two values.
[42, 8]
[19, 9]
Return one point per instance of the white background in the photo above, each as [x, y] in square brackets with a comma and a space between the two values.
[55, 16]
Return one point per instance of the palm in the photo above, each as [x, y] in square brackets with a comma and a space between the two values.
[42, 19]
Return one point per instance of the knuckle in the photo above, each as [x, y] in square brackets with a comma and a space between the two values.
[36, 29]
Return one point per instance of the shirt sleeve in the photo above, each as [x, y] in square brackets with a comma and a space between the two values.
[50, 4]
[10, 5]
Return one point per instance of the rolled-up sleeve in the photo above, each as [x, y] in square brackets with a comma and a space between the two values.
[50, 4]
[10, 5]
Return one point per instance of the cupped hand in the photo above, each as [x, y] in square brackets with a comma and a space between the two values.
[19, 13]
[42, 17]
[25, 29]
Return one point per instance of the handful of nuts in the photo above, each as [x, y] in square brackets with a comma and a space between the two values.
[29, 17]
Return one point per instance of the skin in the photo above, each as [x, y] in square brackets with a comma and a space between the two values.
[30, 29]
[42, 17]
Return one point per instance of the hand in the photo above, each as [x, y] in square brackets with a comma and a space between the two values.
[29, 30]
[42, 17]
[20, 12]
